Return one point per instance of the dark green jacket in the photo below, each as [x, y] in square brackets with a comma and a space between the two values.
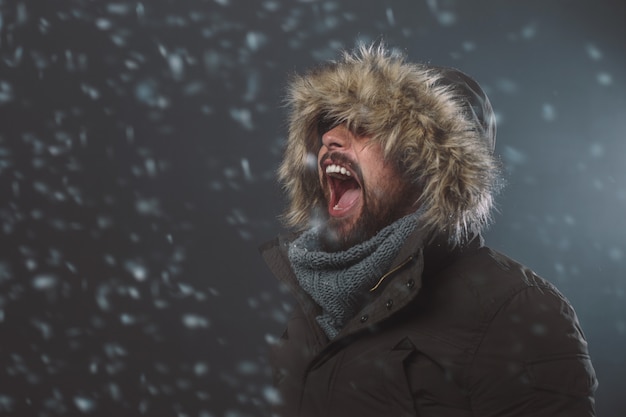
[447, 333]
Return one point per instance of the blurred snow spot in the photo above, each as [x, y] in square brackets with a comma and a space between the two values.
[598, 184]
[247, 368]
[115, 392]
[216, 185]
[103, 24]
[44, 328]
[212, 60]
[194, 88]
[104, 222]
[253, 303]
[45, 282]
[6, 92]
[272, 395]
[176, 65]
[514, 156]
[271, 5]
[201, 368]
[102, 294]
[252, 86]
[134, 293]
[604, 79]
[130, 64]
[185, 289]
[56, 150]
[138, 271]
[110, 259]
[245, 234]
[507, 86]
[548, 112]
[237, 217]
[245, 166]
[596, 150]
[569, 220]
[44, 25]
[270, 339]
[390, 18]
[444, 17]
[528, 32]
[130, 133]
[279, 315]
[243, 117]
[6, 403]
[330, 22]
[146, 92]
[114, 350]
[469, 46]
[311, 162]
[148, 206]
[616, 254]
[119, 8]
[16, 59]
[539, 329]
[84, 404]
[5, 271]
[128, 319]
[255, 40]
[593, 52]
[194, 321]
[119, 39]
[21, 13]
[151, 167]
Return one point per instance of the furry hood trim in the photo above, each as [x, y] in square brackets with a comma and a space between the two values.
[435, 121]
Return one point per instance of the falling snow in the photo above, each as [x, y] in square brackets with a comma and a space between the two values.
[138, 153]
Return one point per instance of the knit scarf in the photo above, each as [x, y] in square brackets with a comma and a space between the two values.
[340, 281]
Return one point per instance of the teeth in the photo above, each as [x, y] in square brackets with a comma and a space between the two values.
[336, 169]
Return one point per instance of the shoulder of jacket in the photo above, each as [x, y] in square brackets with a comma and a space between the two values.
[492, 277]
[470, 290]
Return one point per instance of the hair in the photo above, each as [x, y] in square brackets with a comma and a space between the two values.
[421, 121]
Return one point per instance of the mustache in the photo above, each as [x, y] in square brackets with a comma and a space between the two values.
[341, 159]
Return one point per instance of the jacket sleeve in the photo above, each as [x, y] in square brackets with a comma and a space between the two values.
[533, 360]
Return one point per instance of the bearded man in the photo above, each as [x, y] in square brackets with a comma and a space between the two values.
[401, 309]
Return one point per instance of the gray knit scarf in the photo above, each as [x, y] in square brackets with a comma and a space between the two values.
[340, 281]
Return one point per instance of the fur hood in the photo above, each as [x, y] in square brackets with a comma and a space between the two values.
[436, 121]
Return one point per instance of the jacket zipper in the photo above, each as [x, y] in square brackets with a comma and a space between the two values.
[330, 350]
[380, 281]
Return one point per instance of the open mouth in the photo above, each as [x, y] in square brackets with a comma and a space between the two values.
[345, 189]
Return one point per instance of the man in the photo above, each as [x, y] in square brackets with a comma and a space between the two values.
[401, 310]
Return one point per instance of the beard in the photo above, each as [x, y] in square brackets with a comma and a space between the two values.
[378, 211]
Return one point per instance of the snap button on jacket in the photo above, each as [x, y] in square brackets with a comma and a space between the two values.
[450, 333]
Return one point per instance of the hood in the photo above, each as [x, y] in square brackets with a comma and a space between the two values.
[435, 121]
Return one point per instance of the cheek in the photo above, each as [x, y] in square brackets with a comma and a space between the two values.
[383, 183]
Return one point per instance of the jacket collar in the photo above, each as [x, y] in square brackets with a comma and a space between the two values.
[395, 290]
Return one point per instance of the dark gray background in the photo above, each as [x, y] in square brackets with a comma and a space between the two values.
[138, 144]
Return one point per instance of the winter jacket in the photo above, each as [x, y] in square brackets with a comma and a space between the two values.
[448, 332]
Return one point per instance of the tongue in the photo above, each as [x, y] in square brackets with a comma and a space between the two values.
[348, 198]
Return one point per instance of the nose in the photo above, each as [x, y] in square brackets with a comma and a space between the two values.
[336, 138]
